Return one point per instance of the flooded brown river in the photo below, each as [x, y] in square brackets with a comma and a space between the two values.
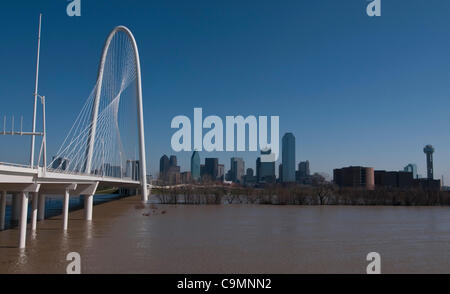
[124, 238]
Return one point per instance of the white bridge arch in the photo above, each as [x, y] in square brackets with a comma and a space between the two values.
[140, 113]
[94, 145]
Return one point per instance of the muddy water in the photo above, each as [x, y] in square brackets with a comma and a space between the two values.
[126, 238]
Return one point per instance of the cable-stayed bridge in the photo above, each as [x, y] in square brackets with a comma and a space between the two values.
[96, 152]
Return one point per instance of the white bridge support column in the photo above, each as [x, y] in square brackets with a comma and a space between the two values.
[41, 207]
[57, 189]
[34, 211]
[88, 192]
[23, 220]
[2, 210]
[88, 206]
[66, 210]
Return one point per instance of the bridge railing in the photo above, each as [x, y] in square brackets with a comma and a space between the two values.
[60, 171]
[14, 164]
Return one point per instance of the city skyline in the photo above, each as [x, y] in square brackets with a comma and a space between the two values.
[319, 84]
[238, 169]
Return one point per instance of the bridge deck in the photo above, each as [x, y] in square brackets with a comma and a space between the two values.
[23, 178]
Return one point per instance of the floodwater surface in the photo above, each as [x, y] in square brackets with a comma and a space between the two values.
[125, 237]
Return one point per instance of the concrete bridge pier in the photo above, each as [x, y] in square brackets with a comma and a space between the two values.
[20, 196]
[88, 206]
[88, 193]
[65, 189]
[66, 209]
[2, 210]
[41, 207]
[23, 220]
[34, 211]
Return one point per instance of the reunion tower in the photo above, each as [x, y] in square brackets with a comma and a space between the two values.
[429, 150]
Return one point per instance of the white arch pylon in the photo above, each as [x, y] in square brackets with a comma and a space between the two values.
[91, 138]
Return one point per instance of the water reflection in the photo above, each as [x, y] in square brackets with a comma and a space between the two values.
[22, 258]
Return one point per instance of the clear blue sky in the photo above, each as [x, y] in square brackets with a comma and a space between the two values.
[354, 90]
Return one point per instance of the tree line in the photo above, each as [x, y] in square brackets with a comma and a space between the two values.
[327, 194]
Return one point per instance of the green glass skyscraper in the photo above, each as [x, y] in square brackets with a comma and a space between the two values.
[288, 157]
[195, 166]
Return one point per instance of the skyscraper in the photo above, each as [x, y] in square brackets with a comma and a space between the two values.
[237, 169]
[195, 166]
[164, 164]
[132, 170]
[429, 150]
[288, 158]
[212, 167]
[265, 171]
[173, 160]
[221, 172]
[303, 175]
[249, 178]
[169, 172]
[303, 169]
